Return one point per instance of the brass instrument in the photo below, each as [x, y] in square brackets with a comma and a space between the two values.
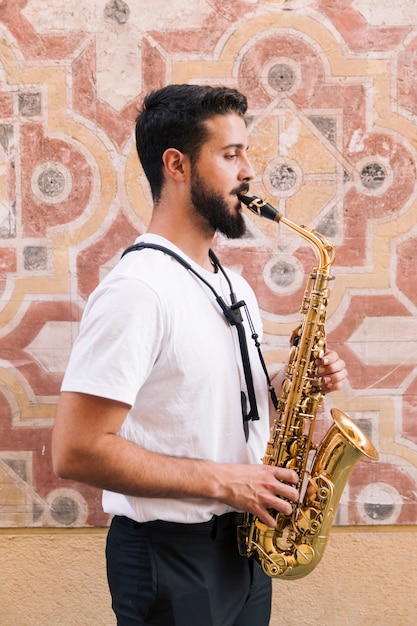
[295, 546]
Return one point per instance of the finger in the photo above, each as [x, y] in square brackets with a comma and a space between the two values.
[331, 368]
[266, 518]
[286, 475]
[335, 377]
[286, 491]
[329, 357]
[279, 506]
[282, 506]
[332, 387]
[334, 381]
[311, 490]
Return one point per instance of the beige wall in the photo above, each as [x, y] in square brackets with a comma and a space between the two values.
[366, 578]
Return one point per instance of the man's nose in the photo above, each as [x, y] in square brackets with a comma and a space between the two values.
[247, 172]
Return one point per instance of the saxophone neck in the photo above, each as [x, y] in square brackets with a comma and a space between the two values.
[322, 247]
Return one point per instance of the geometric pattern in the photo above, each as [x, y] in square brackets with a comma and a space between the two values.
[333, 138]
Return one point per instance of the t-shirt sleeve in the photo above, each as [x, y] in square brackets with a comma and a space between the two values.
[120, 339]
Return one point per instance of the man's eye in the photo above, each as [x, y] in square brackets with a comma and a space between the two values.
[231, 156]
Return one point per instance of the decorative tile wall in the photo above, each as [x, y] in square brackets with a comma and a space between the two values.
[333, 133]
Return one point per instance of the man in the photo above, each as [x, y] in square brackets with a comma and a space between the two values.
[151, 408]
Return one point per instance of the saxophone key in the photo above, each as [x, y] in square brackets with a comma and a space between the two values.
[308, 521]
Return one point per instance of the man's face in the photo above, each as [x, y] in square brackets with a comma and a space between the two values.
[221, 172]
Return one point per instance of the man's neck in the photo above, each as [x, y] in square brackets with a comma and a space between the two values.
[193, 240]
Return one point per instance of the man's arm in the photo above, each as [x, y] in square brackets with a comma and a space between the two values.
[87, 448]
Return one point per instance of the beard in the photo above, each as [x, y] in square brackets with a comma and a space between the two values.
[213, 207]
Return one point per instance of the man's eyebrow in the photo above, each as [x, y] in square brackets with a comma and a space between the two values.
[240, 146]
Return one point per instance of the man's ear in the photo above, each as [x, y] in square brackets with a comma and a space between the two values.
[175, 164]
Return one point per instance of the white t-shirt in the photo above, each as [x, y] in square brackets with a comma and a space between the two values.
[154, 337]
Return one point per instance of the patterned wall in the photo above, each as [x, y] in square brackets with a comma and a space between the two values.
[333, 133]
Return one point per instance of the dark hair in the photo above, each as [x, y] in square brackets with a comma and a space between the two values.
[174, 117]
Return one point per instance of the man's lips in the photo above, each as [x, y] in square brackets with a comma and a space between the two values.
[244, 189]
[241, 191]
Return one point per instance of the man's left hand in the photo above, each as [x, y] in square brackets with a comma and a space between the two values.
[332, 371]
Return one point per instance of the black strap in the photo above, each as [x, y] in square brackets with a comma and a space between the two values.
[233, 315]
[254, 335]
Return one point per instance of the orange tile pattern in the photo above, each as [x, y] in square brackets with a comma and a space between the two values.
[333, 133]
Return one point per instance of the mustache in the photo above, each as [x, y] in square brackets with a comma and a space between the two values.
[242, 189]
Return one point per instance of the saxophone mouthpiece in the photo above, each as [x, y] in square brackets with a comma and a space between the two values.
[260, 207]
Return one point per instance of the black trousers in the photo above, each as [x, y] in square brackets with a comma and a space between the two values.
[167, 574]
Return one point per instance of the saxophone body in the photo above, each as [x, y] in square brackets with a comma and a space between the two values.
[294, 547]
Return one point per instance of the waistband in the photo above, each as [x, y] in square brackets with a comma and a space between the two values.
[218, 523]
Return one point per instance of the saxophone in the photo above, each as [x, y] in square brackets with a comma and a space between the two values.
[295, 546]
